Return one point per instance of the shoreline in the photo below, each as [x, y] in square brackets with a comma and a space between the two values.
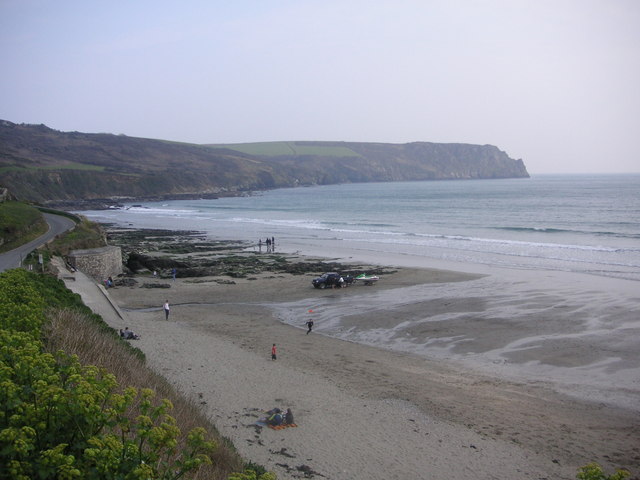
[363, 411]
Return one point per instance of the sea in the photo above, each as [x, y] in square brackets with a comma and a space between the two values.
[577, 223]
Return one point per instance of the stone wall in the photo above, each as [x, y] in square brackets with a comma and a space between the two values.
[99, 263]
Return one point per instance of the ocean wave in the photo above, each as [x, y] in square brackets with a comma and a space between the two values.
[413, 238]
[553, 230]
[509, 242]
[376, 233]
[156, 210]
[534, 259]
[552, 252]
[278, 223]
[358, 224]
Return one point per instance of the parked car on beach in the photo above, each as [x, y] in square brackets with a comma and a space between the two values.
[331, 279]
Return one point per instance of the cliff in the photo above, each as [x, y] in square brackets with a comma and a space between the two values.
[47, 166]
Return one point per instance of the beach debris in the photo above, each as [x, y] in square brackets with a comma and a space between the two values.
[305, 470]
[283, 452]
[257, 428]
[155, 285]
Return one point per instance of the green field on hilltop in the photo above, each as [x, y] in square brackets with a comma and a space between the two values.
[274, 149]
[63, 166]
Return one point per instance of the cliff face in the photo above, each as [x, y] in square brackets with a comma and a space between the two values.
[44, 165]
[383, 162]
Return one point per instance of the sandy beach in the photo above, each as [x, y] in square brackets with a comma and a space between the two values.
[379, 413]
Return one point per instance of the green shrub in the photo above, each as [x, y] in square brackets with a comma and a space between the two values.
[250, 474]
[21, 305]
[60, 419]
[593, 471]
[86, 234]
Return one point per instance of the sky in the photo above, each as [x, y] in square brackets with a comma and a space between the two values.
[555, 83]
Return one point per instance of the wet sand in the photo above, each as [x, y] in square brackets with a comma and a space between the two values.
[479, 406]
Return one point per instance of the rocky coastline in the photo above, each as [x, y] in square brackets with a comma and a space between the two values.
[194, 256]
[118, 202]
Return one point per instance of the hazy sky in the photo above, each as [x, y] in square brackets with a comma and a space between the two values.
[554, 82]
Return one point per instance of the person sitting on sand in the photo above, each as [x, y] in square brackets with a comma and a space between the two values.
[129, 334]
[275, 419]
[288, 417]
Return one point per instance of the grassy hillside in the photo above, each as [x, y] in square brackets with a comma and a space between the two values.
[86, 234]
[19, 223]
[51, 167]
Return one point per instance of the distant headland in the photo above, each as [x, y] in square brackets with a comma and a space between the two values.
[42, 165]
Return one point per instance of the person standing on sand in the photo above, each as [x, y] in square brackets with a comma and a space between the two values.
[273, 352]
[309, 326]
[166, 309]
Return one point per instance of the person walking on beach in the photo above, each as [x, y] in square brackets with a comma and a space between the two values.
[309, 326]
[273, 352]
[166, 309]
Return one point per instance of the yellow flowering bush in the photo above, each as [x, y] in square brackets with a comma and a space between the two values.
[63, 420]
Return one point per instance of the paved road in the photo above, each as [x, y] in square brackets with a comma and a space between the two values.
[57, 225]
[93, 294]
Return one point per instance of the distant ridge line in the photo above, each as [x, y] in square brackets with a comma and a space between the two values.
[47, 166]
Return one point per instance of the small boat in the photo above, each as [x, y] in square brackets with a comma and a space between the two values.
[367, 279]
